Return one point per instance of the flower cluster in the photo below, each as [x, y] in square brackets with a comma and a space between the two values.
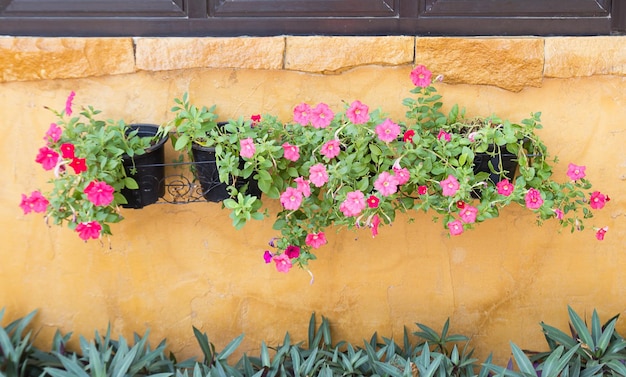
[85, 157]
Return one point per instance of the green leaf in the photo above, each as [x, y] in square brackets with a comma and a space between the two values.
[130, 183]
[182, 142]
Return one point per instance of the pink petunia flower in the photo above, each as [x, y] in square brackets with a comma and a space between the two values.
[601, 232]
[372, 201]
[267, 256]
[455, 227]
[374, 225]
[386, 184]
[402, 175]
[533, 199]
[468, 214]
[354, 204]
[422, 190]
[408, 136]
[318, 175]
[558, 214]
[292, 251]
[575, 172]
[67, 150]
[99, 193]
[321, 116]
[291, 152]
[78, 164]
[47, 157]
[331, 149]
[387, 131]
[421, 76]
[504, 187]
[89, 230]
[53, 133]
[443, 135]
[247, 148]
[449, 186]
[291, 199]
[316, 240]
[255, 118]
[35, 202]
[301, 114]
[358, 113]
[304, 186]
[597, 200]
[68, 103]
[283, 263]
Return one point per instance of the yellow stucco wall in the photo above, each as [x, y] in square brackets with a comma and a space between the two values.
[171, 267]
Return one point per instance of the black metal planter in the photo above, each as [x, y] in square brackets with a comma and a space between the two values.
[504, 161]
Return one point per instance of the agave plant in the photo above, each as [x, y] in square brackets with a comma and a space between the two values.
[16, 347]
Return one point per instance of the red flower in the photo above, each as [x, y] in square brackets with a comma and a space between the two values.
[422, 190]
[408, 136]
[67, 150]
[89, 230]
[292, 251]
[79, 165]
[373, 201]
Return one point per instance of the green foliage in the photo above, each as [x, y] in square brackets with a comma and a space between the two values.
[16, 347]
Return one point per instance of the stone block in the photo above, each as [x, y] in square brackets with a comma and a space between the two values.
[509, 63]
[585, 56]
[336, 54]
[161, 54]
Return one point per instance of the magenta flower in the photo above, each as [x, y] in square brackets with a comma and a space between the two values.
[372, 201]
[468, 214]
[267, 256]
[25, 204]
[408, 136]
[421, 76]
[89, 230]
[318, 175]
[291, 152]
[78, 164]
[558, 214]
[374, 225]
[255, 118]
[68, 103]
[321, 116]
[449, 186]
[331, 149]
[292, 251]
[402, 175]
[422, 190]
[601, 232]
[247, 148]
[47, 157]
[387, 131]
[291, 199]
[354, 204]
[444, 135]
[53, 133]
[597, 200]
[304, 186]
[533, 199]
[455, 227]
[283, 264]
[67, 150]
[358, 113]
[575, 172]
[504, 187]
[301, 114]
[316, 240]
[386, 184]
[35, 202]
[99, 193]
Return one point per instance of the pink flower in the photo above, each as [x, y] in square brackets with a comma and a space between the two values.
[387, 131]
[331, 149]
[472, 136]
[304, 186]
[291, 198]
[422, 190]
[504, 187]
[449, 186]
[468, 214]
[402, 175]
[292, 251]
[420, 76]
[354, 204]
[316, 240]
[255, 118]
[601, 232]
[558, 213]
[67, 150]
[455, 227]
[386, 184]
[291, 152]
[99, 193]
[25, 204]
[301, 114]
[408, 136]
[68, 103]
[53, 133]
[318, 175]
[247, 148]
[78, 164]
[533, 199]
[267, 256]
[575, 172]
[47, 157]
[89, 230]
[35, 202]
[597, 200]
[283, 263]
[444, 135]
[358, 113]
[321, 116]
[374, 225]
[372, 201]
